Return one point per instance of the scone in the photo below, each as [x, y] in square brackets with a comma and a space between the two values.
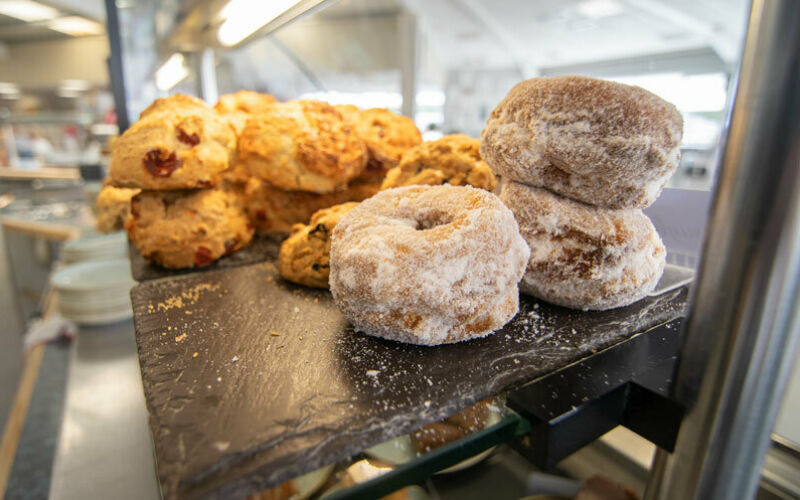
[453, 159]
[113, 208]
[240, 106]
[284, 491]
[388, 135]
[599, 142]
[305, 256]
[582, 256]
[276, 211]
[179, 229]
[178, 143]
[452, 428]
[302, 146]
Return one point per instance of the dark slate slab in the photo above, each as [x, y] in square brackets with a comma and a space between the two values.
[235, 408]
[263, 248]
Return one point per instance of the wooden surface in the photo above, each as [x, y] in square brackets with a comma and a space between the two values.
[54, 173]
[251, 381]
[47, 230]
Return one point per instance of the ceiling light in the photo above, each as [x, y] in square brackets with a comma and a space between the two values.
[27, 10]
[596, 9]
[76, 26]
[66, 93]
[75, 85]
[9, 88]
[242, 18]
[171, 72]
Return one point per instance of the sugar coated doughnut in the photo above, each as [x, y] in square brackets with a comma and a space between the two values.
[428, 264]
[595, 141]
[584, 257]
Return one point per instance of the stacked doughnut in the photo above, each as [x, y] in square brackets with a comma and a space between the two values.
[177, 153]
[579, 159]
[303, 156]
[453, 159]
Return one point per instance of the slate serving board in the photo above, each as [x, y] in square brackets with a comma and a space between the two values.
[251, 381]
[263, 248]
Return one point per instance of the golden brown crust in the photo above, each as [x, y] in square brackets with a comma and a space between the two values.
[582, 256]
[246, 101]
[178, 143]
[599, 142]
[283, 491]
[113, 208]
[454, 159]
[453, 428]
[178, 229]
[387, 135]
[305, 256]
[275, 211]
[302, 146]
[242, 105]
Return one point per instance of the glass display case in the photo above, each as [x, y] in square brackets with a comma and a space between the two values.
[445, 64]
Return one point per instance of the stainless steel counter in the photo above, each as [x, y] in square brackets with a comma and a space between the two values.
[104, 448]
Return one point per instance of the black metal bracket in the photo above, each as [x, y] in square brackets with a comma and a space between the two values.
[625, 385]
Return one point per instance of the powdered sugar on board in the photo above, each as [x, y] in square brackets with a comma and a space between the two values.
[313, 387]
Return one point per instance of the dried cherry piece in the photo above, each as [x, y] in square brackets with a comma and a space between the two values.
[230, 245]
[203, 257]
[161, 163]
[249, 226]
[191, 139]
[261, 215]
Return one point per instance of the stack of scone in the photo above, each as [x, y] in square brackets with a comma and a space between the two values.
[454, 159]
[306, 155]
[176, 154]
[580, 158]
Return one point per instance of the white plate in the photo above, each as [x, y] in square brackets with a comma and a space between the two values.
[106, 299]
[97, 275]
[84, 308]
[99, 319]
[401, 450]
[89, 244]
[109, 255]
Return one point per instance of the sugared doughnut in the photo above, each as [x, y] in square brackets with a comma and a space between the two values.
[387, 135]
[179, 142]
[454, 159]
[595, 141]
[302, 146]
[582, 256]
[178, 229]
[428, 264]
[305, 255]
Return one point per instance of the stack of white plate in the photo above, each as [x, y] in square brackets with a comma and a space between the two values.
[95, 293]
[95, 247]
